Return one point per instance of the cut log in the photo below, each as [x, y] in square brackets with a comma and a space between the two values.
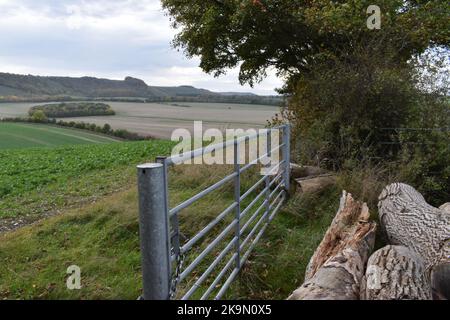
[410, 221]
[440, 282]
[337, 267]
[396, 273]
[445, 207]
[310, 185]
[298, 171]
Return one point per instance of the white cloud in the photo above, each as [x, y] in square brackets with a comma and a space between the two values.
[103, 38]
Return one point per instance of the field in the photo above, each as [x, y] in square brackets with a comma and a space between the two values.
[101, 234]
[38, 182]
[159, 120]
[18, 136]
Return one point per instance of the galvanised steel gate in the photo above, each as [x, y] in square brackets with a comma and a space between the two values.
[161, 248]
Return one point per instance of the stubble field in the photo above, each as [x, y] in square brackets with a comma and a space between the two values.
[159, 120]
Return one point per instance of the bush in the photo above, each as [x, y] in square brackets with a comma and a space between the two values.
[106, 128]
[39, 116]
[76, 109]
[372, 110]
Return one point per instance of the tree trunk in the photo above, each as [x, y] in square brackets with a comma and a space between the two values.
[445, 207]
[310, 185]
[298, 171]
[411, 222]
[396, 273]
[337, 267]
[440, 282]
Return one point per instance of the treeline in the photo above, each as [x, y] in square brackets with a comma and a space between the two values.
[235, 99]
[106, 129]
[66, 110]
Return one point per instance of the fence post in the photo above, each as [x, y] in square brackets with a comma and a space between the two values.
[154, 232]
[287, 156]
[267, 182]
[237, 197]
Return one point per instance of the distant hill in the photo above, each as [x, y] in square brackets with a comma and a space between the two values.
[26, 86]
[238, 94]
[15, 87]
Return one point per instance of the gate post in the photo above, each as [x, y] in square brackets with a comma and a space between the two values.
[154, 232]
[287, 156]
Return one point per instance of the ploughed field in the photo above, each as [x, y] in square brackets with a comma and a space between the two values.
[21, 135]
[159, 120]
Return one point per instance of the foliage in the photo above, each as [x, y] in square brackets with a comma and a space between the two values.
[293, 35]
[39, 116]
[67, 110]
[341, 110]
[371, 109]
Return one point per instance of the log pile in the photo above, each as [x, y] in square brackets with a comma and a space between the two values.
[337, 267]
[414, 266]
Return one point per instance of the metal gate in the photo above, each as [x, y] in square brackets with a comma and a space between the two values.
[163, 253]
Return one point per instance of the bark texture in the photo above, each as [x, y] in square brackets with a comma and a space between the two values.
[411, 222]
[445, 207]
[337, 267]
[440, 281]
[396, 273]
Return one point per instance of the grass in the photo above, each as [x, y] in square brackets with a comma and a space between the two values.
[19, 136]
[102, 238]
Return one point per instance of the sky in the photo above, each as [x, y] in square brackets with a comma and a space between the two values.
[106, 39]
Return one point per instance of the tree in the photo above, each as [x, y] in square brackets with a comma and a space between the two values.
[39, 116]
[292, 36]
[106, 128]
[345, 83]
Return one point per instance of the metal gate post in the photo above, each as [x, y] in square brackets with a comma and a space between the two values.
[237, 197]
[154, 232]
[267, 182]
[287, 156]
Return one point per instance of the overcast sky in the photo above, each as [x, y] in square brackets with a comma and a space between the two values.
[102, 38]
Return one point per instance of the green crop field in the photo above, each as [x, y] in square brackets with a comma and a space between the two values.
[36, 181]
[18, 136]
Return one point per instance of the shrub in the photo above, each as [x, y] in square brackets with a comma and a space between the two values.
[369, 109]
[75, 109]
[106, 128]
[39, 116]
